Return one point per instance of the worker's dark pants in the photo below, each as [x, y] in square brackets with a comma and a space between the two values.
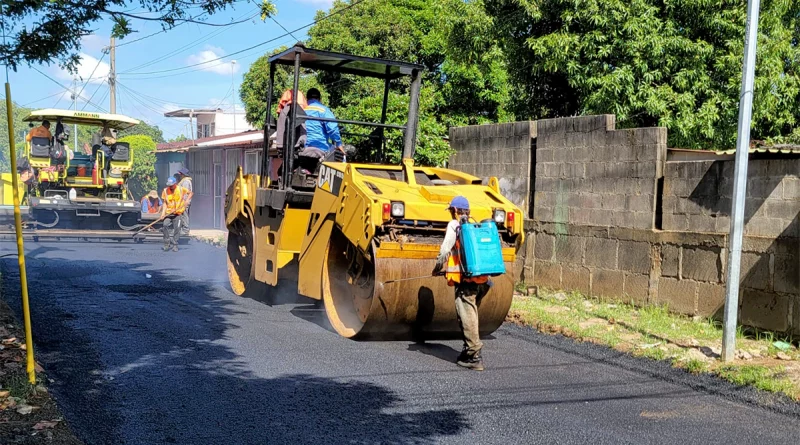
[185, 222]
[468, 298]
[172, 230]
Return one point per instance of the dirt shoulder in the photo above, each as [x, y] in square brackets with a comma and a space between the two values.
[28, 414]
[763, 360]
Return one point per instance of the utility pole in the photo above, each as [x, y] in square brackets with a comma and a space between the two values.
[75, 103]
[740, 184]
[233, 85]
[112, 77]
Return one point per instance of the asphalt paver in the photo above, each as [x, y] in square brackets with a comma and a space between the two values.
[151, 347]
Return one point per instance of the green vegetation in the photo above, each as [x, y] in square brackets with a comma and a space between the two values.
[653, 332]
[143, 177]
[650, 63]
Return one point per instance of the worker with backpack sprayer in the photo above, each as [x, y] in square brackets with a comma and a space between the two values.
[471, 284]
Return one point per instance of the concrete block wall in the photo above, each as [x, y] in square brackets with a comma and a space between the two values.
[697, 197]
[500, 150]
[682, 270]
[589, 173]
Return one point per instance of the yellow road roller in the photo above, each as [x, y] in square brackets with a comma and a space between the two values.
[361, 237]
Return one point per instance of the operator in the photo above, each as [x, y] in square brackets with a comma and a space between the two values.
[282, 128]
[469, 290]
[320, 136]
[185, 182]
[173, 213]
[42, 131]
[151, 203]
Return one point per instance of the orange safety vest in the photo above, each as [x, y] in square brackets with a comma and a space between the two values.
[174, 200]
[453, 271]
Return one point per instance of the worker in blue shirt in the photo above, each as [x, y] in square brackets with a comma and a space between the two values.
[321, 135]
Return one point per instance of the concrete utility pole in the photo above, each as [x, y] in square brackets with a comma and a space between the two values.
[112, 77]
[740, 184]
[233, 85]
[75, 103]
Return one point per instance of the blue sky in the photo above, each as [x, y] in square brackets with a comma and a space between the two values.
[145, 94]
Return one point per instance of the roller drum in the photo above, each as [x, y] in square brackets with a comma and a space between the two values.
[360, 306]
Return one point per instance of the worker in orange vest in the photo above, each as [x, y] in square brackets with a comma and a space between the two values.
[469, 290]
[172, 212]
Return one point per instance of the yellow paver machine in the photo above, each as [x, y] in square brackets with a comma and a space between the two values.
[345, 233]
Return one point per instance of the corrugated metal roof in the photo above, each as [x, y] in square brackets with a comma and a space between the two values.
[774, 149]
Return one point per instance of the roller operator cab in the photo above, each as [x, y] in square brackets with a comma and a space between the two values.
[357, 227]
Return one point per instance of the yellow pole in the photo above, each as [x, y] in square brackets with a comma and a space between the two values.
[23, 277]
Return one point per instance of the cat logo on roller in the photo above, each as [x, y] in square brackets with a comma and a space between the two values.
[330, 179]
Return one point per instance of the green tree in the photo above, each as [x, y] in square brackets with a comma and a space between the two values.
[20, 128]
[59, 25]
[675, 64]
[143, 177]
[153, 131]
[179, 138]
[255, 85]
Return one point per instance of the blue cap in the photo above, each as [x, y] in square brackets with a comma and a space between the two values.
[170, 181]
[459, 202]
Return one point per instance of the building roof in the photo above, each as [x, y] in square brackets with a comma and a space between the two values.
[345, 63]
[244, 138]
[188, 112]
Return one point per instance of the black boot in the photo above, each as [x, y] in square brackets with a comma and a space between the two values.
[473, 362]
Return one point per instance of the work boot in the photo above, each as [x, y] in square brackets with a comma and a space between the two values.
[463, 356]
[473, 362]
[165, 248]
[175, 248]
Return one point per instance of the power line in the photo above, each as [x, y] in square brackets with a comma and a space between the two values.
[189, 45]
[340, 11]
[92, 96]
[62, 86]
[99, 61]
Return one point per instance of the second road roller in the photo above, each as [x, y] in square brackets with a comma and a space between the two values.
[346, 232]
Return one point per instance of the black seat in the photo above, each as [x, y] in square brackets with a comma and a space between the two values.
[122, 152]
[40, 147]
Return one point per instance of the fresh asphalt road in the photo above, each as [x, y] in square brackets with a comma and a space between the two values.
[177, 358]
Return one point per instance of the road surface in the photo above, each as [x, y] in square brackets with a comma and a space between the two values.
[147, 347]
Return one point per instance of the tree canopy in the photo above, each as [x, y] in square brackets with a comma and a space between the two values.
[676, 64]
[143, 176]
[58, 25]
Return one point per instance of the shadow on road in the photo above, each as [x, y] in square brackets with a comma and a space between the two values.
[140, 360]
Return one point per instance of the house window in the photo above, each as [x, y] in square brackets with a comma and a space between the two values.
[212, 130]
[251, 164]
[203, 130]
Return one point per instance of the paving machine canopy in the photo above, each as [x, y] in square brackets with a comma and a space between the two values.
[70, 117]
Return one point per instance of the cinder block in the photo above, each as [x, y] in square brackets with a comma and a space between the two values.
[573, 170]
[765, 227]
[634, 256]
[764, 188]
[595, 169]
[640, 203]
[722, 224]
[590, 201]
[787, 271]
[791, 189]
[670, 260]
[702, 265]
[603, 185]
[569, 249]
[574, 140]
[787, 246]
[702, 223]
[600, 217]
[543, 248]
[607, 283]
[544, 214]
[675, 222]
[755, 271]
[765, 310]
[547, 274]
[575, 278]
[710, 300]
[601, 252]
[648, 136]
[613, 202]
[544, 155]
[786, 210]
[679, 295]
[636, 287]
[643, 220]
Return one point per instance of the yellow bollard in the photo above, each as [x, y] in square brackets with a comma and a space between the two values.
[23, 277]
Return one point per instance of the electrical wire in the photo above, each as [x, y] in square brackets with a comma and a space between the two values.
[99, 61]
[339, 11]
[92, 96]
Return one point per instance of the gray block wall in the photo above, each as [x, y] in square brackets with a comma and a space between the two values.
[589, 173]
[500, 150]
[697, 197]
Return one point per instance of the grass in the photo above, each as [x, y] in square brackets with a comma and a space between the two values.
[690, 343]
[19, 386]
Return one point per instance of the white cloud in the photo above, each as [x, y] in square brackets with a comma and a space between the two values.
[88, 65]
[222, 67]
[94, 43]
